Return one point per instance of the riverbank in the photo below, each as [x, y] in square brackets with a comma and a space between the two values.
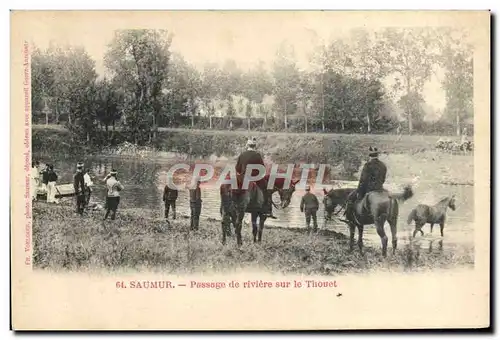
[407, 157]
[139, 239]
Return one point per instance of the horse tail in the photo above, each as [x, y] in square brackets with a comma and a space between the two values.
[411, 216]
[405, 195]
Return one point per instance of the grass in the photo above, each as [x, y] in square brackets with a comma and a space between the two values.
[139, 239]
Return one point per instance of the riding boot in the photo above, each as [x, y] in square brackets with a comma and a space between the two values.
[269, 206]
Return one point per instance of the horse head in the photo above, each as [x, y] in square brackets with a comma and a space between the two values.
[328, 204]
[451, 202]
[286, 194]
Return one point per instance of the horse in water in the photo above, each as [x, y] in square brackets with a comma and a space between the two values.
[333, 199]
[377, 207]
[435, 214]
[235, 203]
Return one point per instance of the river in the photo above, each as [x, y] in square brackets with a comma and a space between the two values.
[144, 181]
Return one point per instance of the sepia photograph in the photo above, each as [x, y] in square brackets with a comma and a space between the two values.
[306, 144]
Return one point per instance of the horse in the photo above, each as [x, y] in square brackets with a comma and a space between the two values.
[377, 207]
[334, 198]
[423, 214]
[235, 203]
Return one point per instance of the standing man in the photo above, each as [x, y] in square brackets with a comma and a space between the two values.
[79, 186]
[88, 186]
[35, 180]
[169, 197]
[310, 205]
[195, 204]
[113, 196]
[372, 178]
[51, 185]
[251, 156]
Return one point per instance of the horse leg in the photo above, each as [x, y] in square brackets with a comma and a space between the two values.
[360, 238]
[432, 226]
[418, 228]
[441, 227]
[239, 225]
[381, 232]
[393, 222]
[254, 226]
[224, 224]
[262, 220]
[352, 229]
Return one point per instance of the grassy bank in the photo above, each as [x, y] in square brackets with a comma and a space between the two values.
[138, 239]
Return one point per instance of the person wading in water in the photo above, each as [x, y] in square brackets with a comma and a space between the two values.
[79, 185]
[251, 156]
[113, 196]
[309, 205]
[372, 178]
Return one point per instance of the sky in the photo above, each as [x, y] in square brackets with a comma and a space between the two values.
[201, 37]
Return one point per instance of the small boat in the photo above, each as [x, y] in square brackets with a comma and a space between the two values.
[62, 190]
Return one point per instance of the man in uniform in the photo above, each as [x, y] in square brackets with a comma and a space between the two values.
[169, 197]
[251, 156]
[195, 203]
[372, 178]
[79, 186]
[309, 205]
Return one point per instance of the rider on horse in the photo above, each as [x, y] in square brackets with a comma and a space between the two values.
[251, 156]
[372, 178]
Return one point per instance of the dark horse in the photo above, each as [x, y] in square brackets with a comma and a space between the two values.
[333, 199]
[423, 214]
[236, 202]
[377, 207]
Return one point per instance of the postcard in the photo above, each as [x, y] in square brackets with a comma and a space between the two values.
[250, 170]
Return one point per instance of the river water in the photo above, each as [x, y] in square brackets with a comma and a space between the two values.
[144, 181]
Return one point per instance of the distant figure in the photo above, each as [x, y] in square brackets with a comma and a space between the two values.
[398, 131]
[195, 204]
[169, 197]
[35, 179]
[464, 135]
[79, 186]
[310, 205]
[51, 185]
[88, 186]
[113, 196]
[45, 178]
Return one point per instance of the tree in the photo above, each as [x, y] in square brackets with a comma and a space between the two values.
[286, 81]
[411, 57]
[185, 87]
[139, 60]
[367, 66]
[456, 59]
[248, 113]
[107, 101]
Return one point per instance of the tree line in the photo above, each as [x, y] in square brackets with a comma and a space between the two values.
[366, 82]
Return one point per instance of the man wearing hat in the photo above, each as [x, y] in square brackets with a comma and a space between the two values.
[170, 195]
[372, 178]
[79, 185]
[310, 205]
[113, 197]
[251, 156]
[195, 204]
